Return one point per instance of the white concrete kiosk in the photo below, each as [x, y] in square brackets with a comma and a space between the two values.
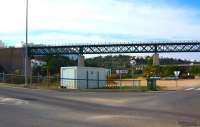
[83, 77]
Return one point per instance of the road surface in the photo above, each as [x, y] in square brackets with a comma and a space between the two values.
[21, 107]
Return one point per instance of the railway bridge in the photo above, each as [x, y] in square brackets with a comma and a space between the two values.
[117, 48]
[12, 59]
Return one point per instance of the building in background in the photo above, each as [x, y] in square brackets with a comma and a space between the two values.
[83, 77]
[2, 45]
[12, 60]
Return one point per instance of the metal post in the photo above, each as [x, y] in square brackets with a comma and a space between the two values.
[47, 77]
[177, 73]
[57, 76]
[120, 79]
[132, 75]
[38, 77]
[133, 63]
[3, 76]
[26, 46]
[31, 75]
[132, 70]
[98, 79]
[87, 80]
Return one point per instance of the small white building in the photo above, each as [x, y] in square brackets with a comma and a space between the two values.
[83, 77]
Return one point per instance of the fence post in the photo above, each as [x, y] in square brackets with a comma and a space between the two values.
[38, 77]
[31, 77]
[98, 78]
[57, 78]
[3, 76]
[87, 79]
[120, 83]
[47, 77]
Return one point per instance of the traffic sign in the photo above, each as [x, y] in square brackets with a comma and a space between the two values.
[177, 73]
[122, 71]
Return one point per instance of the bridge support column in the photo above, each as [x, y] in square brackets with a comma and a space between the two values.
[81, 60]
[156, 60]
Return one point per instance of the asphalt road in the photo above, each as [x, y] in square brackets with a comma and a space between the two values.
[45, 108]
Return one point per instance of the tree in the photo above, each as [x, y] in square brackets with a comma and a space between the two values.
[54, 63]
[195, 70]
[2, 69]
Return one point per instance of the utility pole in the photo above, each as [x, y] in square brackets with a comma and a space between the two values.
[26, 47]
[177, 73]
[133, 63]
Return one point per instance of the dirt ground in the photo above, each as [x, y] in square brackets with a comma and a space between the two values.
[179, 84]
[165, 84]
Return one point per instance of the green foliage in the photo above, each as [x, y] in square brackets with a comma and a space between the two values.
[18, 72]
[118, 62]
[49, 84]
[2, 69]
[195, 70]
[127, 88]
[53, 64]
[151, 71]
[149, 61]
[124, 61]
[167, 71]
[109, 61]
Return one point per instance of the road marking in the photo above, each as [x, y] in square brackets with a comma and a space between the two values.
[189, 89]
[197, 89]
[12, 101]
[106, 117]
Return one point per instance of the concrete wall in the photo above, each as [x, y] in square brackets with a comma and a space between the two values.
[81, 60]
[12, 59]
[156, 60]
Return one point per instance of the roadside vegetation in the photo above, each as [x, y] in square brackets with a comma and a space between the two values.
[144, 66]
[49, 73]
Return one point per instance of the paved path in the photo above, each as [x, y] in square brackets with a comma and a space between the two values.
[45, 108]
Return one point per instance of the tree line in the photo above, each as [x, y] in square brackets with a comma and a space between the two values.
[168, 65]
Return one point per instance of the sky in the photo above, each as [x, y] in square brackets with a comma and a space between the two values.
[99, 21]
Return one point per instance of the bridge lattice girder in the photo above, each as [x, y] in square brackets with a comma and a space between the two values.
[115, 48]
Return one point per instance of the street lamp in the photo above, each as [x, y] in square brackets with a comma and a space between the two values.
[26, 47]
[133, 63]
[177, 73]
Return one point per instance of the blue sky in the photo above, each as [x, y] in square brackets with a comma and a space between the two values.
[186, 3]
[86, 21]
[97, 20]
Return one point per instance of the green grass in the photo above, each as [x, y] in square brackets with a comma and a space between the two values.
[128, 88]
[124, 88]
[46, 85]
[56, 85]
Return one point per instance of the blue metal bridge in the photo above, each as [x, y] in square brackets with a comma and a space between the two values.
[159, 47]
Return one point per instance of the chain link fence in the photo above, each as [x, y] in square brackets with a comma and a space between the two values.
[57, 82]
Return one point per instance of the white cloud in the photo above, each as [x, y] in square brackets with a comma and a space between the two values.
[141, 21]
[12, 14]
